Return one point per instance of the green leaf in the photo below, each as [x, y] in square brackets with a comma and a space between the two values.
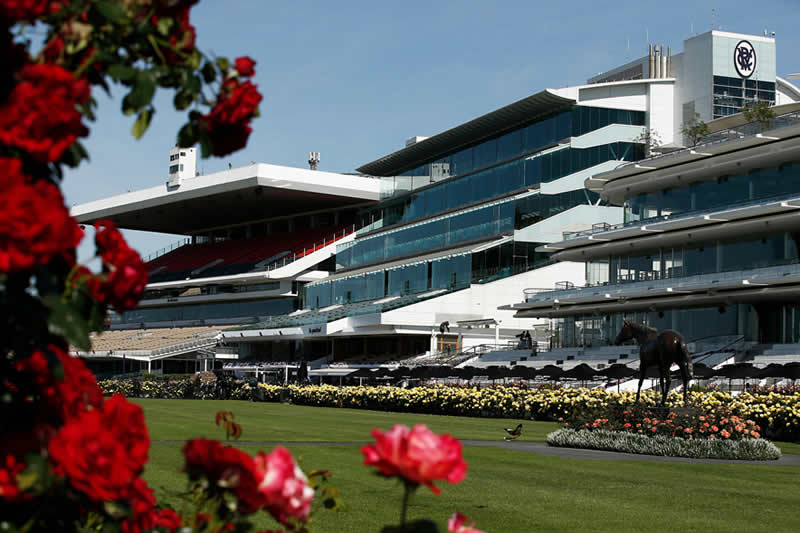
[142, 122]
[209, 72]
[223, 64]
[113, 11]
[187, 136]
[183, 99]
[121, 72]
[97, 317]
[66, 321]
[164, 25]
[35, 474]
[74, 155]
[144, 87]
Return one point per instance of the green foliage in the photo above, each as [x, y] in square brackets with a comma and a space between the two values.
[651, 140]
[664, 445]
[695, 129]
[759, 112]
[67, 321]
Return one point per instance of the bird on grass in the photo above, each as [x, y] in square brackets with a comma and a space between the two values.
[513, 433]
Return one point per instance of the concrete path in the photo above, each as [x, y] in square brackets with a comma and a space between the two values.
[542, 448]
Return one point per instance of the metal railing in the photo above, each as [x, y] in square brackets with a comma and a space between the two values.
[738, 132]
[167, 249]
[601, 228]
[291, 258]
[677, 281]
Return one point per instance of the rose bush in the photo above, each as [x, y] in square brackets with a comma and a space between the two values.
[70, 458]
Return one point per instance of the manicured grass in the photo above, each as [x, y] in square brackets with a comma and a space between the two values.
[274, 422]
[505, 490]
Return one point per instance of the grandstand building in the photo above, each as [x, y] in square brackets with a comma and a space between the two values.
[420, 253]
[709, 241]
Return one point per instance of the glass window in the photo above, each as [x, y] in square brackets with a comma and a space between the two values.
[462, 162]
[485, 153]
[509, 145]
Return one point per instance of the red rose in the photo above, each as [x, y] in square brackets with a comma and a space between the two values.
[225, 467]
[62, 399]
[284, 486]
[11, 466]
[35, 226]
[28, 10]
[227, 125]
[102, 452]
[140, 497]
[182, 34]
[127, 274]
[166, 519]
[40, 115]
[126, 284]
[418, 455]
[244, 66]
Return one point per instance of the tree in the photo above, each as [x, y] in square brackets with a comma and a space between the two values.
[759, 112]
[651, 140]
[695, 129]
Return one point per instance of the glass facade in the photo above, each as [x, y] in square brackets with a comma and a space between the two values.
[773, 322]
[450, 230]
[546, 132]
[209, 311]
[725, 191]
[731, 95]
[699, 324]
[678, 262]
[442, 232]
[450, 273]
[500, 180]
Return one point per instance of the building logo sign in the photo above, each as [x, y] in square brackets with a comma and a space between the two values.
[744, 59]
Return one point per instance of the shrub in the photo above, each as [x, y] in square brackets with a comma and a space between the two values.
[665, 445]
[686, 423]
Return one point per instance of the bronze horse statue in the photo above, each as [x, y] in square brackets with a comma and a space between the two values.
[661, 349]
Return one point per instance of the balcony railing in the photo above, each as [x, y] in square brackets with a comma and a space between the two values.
[167, 249]
[738, 132]
[669, 279]
[291, 258]
[603, 227]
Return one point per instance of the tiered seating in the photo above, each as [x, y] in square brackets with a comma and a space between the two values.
[236, 256]
[148, 340]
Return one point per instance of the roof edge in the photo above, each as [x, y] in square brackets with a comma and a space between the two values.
[484, 126]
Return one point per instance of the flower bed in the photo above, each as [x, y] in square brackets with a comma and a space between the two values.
[777, 414]
[665, 445]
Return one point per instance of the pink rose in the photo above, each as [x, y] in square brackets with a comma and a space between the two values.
[284, 486]
[458, 524]
[417, 455]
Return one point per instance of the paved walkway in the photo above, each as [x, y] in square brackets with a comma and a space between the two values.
[541, 448]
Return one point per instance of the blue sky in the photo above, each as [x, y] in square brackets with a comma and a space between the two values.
[353, 79]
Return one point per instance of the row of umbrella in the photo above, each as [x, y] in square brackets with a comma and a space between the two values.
[582, 372]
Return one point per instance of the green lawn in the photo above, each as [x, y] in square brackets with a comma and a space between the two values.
[505, 490]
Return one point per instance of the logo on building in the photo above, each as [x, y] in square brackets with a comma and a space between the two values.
[744, 59]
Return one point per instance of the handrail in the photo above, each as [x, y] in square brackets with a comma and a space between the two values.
[747, 129]
[279, 263]
[167, 249]
[571, 235]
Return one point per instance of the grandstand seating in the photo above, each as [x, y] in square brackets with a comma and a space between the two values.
[148, 340]
[237, 256]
